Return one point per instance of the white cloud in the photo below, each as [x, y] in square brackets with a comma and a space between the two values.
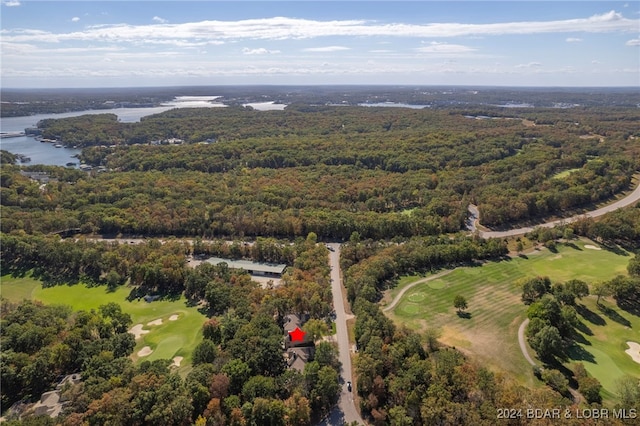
[445, 48]
[280, 28]
[573, 40]
[11, 3]
[159, 20]
[596, 62]
[529, 65]
[326, 49]
[633, 42]
[258, 51]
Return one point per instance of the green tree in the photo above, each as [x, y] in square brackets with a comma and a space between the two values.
[259, 386]
[556, 380]
[601, 289]
[238, 372]
[634, 266]
[327, 354]
[547, 343]
[460, 303]
[298, 410]
[325, 392]
[534, 288]
[205, 352]
[316, 328]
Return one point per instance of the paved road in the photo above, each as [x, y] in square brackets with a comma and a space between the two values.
[346, 409]
[626, 201]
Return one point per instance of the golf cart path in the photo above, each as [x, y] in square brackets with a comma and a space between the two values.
[523, 346]
[410, 286]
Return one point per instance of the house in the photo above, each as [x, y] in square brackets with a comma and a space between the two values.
[299, 349]
[297, 358]
[51, 403]
[41, 177]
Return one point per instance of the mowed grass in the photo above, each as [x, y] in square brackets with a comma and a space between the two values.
[494, 305]
[611, 328]
[167, 340]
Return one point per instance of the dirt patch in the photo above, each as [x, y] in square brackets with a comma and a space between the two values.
[173, 317]
[155, 322]
[633, 351]
[137, 331]
[177, 360]
[591, 247]
[146, 351]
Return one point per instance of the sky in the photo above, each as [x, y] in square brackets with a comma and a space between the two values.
[51, 44]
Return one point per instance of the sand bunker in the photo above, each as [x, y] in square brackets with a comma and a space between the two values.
[137, 331]
[145, 351]
[591, 247]
[177, 360]
[173, 317]
[633, 351]
[155, 322]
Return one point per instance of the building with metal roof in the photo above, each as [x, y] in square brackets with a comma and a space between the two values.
[274, 270]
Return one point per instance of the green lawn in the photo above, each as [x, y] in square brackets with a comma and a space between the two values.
[170, 339]
[495, 308]
[607, 343]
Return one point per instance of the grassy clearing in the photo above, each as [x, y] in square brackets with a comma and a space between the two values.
[167, 340]
[563, 174]
[493, 296]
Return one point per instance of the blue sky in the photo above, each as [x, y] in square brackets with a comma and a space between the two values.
[160, 43]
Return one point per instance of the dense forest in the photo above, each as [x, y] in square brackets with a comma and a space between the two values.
[380, 172]
[227, 385]
[393, 184]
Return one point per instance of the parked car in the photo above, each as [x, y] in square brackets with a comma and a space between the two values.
[349, 386]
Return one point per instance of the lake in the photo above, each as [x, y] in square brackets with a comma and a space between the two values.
[394, 105]
[46, 153]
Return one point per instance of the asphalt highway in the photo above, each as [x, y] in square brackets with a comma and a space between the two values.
[475, 216]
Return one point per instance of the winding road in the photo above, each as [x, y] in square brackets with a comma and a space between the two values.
[624, 202]
[345, 411]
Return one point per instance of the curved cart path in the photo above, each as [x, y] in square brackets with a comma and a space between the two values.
[523, 345]
[396, 299]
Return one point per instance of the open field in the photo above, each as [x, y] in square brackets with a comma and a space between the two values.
[168, 339]
[496, 311]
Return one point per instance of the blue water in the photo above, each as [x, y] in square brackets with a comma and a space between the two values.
[47, 153]
[394, 105]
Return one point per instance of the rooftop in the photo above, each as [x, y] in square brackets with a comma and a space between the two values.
[249, 266]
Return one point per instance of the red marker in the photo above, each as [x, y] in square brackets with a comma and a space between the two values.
[297, 335]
